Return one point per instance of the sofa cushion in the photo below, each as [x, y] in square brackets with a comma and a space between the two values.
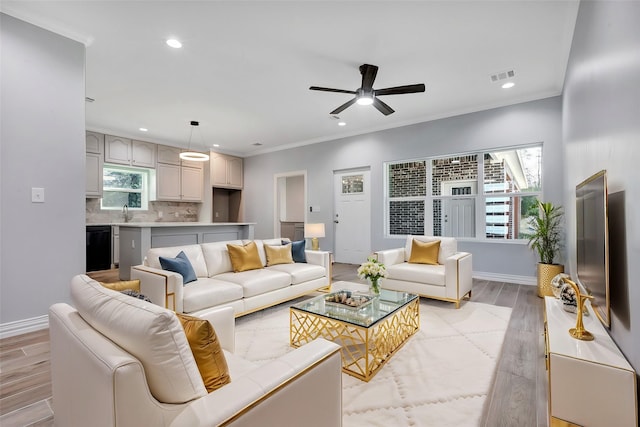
[209, 292]
[193, 253]
[206, 350]
[448, 246]
[301, 272]
[123, 285]
[151, 333]
[181, 265]
[244, 257]
[278, 254]
[216, 257]
[419, 273]
[424, 252]
[259, 281]
[297, 250]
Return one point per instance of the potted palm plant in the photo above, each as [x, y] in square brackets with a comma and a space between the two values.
[546, 239]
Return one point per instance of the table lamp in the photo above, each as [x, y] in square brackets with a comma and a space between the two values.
[314, 231]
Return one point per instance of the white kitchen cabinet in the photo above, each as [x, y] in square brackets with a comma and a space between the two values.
[93, 164]
[93, 175]
[178, 183]
[143, 154]
[191, 184]
[169, 155]
[115, 244]
[123, 151]
[117, 150]
[226, 171]
[590, 382]
[95, 142]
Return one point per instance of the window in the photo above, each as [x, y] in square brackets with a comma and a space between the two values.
[123, 185]
[486, 194]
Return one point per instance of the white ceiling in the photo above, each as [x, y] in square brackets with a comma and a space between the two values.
[245, 67]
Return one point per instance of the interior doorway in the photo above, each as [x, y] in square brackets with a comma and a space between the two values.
[290, 190]
[352, 216]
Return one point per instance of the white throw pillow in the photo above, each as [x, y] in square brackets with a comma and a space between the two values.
[151, 333]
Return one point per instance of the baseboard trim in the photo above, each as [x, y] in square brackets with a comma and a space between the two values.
[507, 278]
[23, 326]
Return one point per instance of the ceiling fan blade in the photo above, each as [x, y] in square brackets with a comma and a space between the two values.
[382, 107]
[368, 76]
[327, 89]
[400, 90]
[344, 106]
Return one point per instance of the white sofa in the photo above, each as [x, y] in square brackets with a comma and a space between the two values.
[450, 280]
[219, 286]
[98, 381]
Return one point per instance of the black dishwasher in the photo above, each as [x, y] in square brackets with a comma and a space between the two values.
[98, 247]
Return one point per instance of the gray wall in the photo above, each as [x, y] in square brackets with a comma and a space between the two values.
[536, 121]
[42, 145]
[601, 125]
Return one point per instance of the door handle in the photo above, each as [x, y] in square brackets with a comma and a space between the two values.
[336, 221]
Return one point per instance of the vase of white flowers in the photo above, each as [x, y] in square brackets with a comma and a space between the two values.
[373, 271]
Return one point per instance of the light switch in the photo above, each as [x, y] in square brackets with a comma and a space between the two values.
[37, 195]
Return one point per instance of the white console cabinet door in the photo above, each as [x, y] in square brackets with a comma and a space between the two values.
[591, 384]
[191, 180]
[117, 150]
[93, 175]
[95, 142]
[168, 182]
[143, 154]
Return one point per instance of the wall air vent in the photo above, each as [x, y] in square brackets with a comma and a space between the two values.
[503, 75]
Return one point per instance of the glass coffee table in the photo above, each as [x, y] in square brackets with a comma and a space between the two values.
[369, 329]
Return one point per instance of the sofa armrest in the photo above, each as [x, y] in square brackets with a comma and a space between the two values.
[322, 258]
[391, 256]
[162, 287]
[458, 274]
[278, 393]
[223, 321]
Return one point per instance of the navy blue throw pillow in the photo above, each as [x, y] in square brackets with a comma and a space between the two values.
[297, 250]
[181, 265]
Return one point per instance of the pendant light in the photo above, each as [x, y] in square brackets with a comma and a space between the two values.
[194, 156]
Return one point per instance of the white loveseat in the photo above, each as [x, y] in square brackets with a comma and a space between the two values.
[217, 284]
[121, 361]
[449, 280]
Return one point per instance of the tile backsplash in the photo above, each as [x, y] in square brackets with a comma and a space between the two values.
[170, 211]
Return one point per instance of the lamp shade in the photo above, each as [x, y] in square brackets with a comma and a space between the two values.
[314, 230]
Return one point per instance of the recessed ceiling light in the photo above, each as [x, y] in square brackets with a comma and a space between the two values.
[174, 43]
[508, 85]
[143, 129]
[342, 124]
[216, 145]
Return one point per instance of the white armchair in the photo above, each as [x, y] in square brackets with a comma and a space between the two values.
[97, 382]
[449, 280]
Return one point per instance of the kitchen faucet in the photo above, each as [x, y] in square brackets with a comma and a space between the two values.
[125, 211]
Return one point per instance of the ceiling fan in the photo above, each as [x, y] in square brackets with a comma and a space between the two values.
[367, 95]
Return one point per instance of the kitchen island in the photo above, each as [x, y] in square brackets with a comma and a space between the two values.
[136, 238]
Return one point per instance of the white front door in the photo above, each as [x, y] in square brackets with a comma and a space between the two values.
[352, 216]
[459, 218]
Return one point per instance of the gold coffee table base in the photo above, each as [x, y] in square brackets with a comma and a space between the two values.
[365, 350]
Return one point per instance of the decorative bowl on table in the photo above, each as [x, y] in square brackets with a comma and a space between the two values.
[347, 299]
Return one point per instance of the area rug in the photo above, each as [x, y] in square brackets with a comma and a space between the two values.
[441, 377]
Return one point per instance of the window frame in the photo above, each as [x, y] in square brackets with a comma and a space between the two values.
[481, 196]
[144, 190]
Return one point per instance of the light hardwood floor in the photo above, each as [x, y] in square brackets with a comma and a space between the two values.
[518, 398]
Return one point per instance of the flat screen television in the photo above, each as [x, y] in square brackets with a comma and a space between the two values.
[592, 242]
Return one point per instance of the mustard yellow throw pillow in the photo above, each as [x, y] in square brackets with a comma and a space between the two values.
[206, 350]
[244, 257]
[278, 254]
[424, 252]
[123, 285]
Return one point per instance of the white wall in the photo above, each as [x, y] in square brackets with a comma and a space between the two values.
[537, 121]
[42, 145]
[601, 126]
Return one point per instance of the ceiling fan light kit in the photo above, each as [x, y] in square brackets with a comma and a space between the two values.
[193, 156]
[367, 95]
